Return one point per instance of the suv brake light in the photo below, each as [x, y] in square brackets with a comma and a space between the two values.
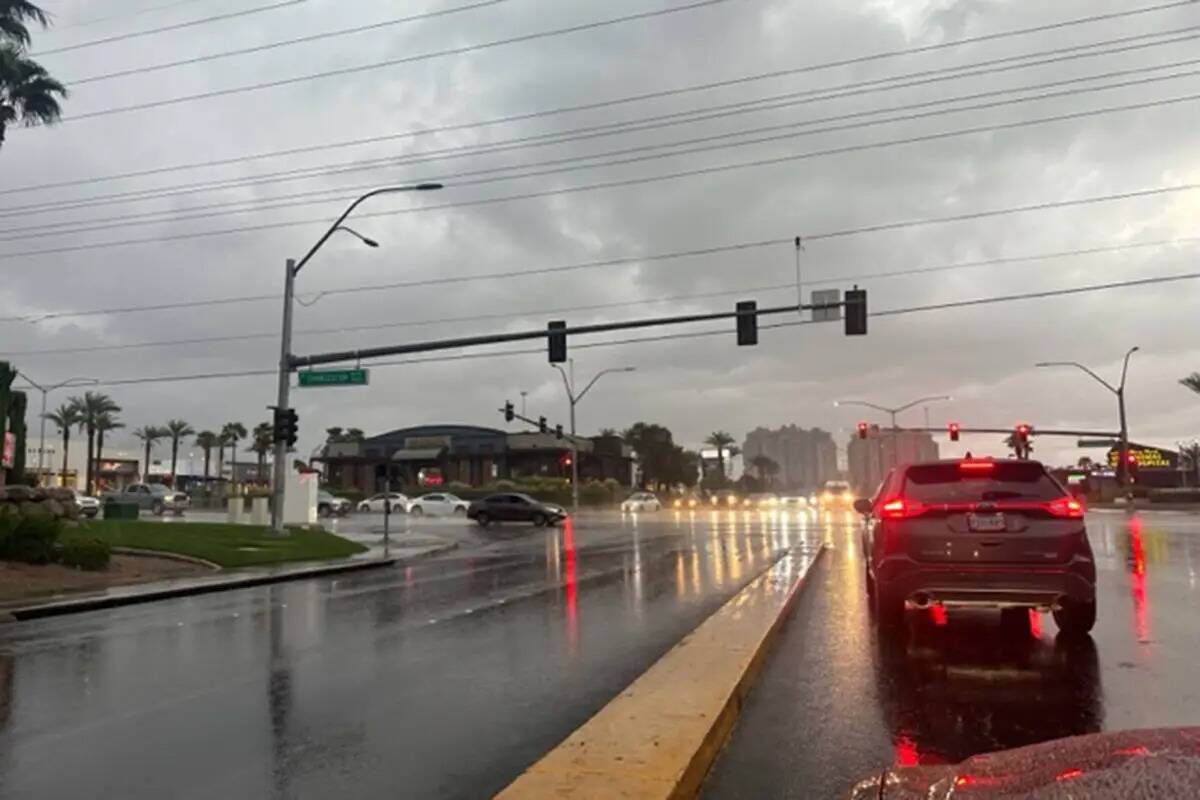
[901, 508]
[1066, 507]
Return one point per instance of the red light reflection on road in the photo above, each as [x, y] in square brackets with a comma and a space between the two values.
[1035, 623]
[570, 583]
[1069, 774]
[1137, 576]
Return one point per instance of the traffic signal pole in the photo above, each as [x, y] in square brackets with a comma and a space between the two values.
[279, 478]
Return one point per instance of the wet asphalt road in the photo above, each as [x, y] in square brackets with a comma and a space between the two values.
[444, 678]
[834, 704]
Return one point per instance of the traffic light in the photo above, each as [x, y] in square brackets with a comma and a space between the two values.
[558, 431]
[1131, 466]
[509, 414]
[286, 426]
[542, 427]
[856, 312]
[954, 430]
[1022, 432]
[862, 430]
[565, 460]
[747, 323]
[557, 341]
[1021, 440]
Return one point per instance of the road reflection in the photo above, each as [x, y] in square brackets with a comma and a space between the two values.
[963, 685]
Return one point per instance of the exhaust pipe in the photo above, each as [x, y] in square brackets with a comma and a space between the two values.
[921, 600]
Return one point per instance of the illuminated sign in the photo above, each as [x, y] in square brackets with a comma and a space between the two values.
[1147, 457]
[10, 450]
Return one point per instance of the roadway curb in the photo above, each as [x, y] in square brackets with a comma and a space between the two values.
[140, 551]
[661, 734]
[75, 606]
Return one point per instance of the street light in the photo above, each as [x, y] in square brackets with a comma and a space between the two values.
[292, 269]
[893, 411]
[45, 390]
[573, 399]
[1119, 391]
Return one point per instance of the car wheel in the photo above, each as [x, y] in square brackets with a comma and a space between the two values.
[417, 511]
[364, 507]
[460, 512]
[889, 609]
[1076, 618]
[483, 519]
[157, 509]
[323, 511]
[541, 521]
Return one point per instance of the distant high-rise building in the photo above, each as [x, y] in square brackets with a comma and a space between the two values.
[806, 458]
[870, 459]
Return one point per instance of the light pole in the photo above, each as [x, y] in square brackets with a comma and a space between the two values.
[573, 399]
[1119, 391]
[45, 390]
[291, 270]
[893, 413]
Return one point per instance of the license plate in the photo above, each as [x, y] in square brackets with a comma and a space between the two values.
[985, 522]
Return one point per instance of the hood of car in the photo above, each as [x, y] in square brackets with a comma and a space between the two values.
[1102, 766]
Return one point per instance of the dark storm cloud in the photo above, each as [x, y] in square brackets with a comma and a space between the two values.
[983, 355]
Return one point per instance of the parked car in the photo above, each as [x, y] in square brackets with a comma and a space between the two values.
[438, 504]
[515, 508]
[399, 503]
[153, 497]
[330, 506]
[982, 533]
[641, 501]
[87, 506]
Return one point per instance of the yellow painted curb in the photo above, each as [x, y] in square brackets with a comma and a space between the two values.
[658, 738]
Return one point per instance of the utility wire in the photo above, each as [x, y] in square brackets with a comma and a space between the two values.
[619, 128]
[114, 17]
[303, 198]
[627, 182]
[143, 70]
[696, 334]
[544, 311]
[165, 28]
[601, 104]
[377, 65]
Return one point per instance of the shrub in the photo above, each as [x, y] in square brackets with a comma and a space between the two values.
[85, 553]
[505, 485]
[455, 487]
[594, 493]
[32, 539]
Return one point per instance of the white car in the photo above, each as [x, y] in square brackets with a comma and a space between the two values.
[438, 504]
[399, 503]
[641, 501]
[88, 506]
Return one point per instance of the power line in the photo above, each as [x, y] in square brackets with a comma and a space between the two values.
[696, 334]
[173, 27]
[254, 87]
[544, 311]
[621, 183]
[284, 43]
[114, 17]
[298, 199]
[605, 103]
[629, 126]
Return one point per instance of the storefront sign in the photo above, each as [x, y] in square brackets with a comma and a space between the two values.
[10, 450]
[1147, 457]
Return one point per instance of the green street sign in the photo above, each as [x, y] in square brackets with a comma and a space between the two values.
[334, 377]
[1105, 443]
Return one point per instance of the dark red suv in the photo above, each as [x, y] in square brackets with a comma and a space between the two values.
[978, 532]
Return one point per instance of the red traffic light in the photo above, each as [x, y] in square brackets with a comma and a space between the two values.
[862, 430]
[1023, 432]
[1131, 458]
[954, 429]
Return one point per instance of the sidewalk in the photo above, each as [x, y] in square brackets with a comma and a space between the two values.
[115, 596]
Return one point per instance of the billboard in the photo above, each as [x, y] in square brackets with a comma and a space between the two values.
[1148, 458]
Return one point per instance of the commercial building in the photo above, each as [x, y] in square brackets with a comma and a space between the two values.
[870, 459]
[806, 458]
[432, 455]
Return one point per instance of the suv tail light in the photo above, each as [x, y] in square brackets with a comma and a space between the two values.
[901, 508]
[1065, 507]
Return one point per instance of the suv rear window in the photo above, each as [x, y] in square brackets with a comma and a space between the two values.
[1006, 480]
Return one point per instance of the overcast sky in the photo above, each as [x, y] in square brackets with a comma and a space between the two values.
[982, 355]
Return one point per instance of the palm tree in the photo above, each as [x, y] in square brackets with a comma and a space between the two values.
[65, 417]
[231, 433]
[206, 441]
[765, 467]
[28, 95]
[148, 435]
[88, 409]
[263, 441]
[13, 16]
[176, 429]
[334, 435]
[720, 440]
[104, 422]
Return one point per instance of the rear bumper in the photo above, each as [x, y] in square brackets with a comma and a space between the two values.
[987, 585]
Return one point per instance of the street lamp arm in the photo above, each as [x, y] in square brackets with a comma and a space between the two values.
[1076, 364]
[865, 404]
[1125, 366]
[920, 402]
[566, 384]
[599, 375]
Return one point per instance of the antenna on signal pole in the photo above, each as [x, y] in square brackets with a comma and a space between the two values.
[799, 284]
